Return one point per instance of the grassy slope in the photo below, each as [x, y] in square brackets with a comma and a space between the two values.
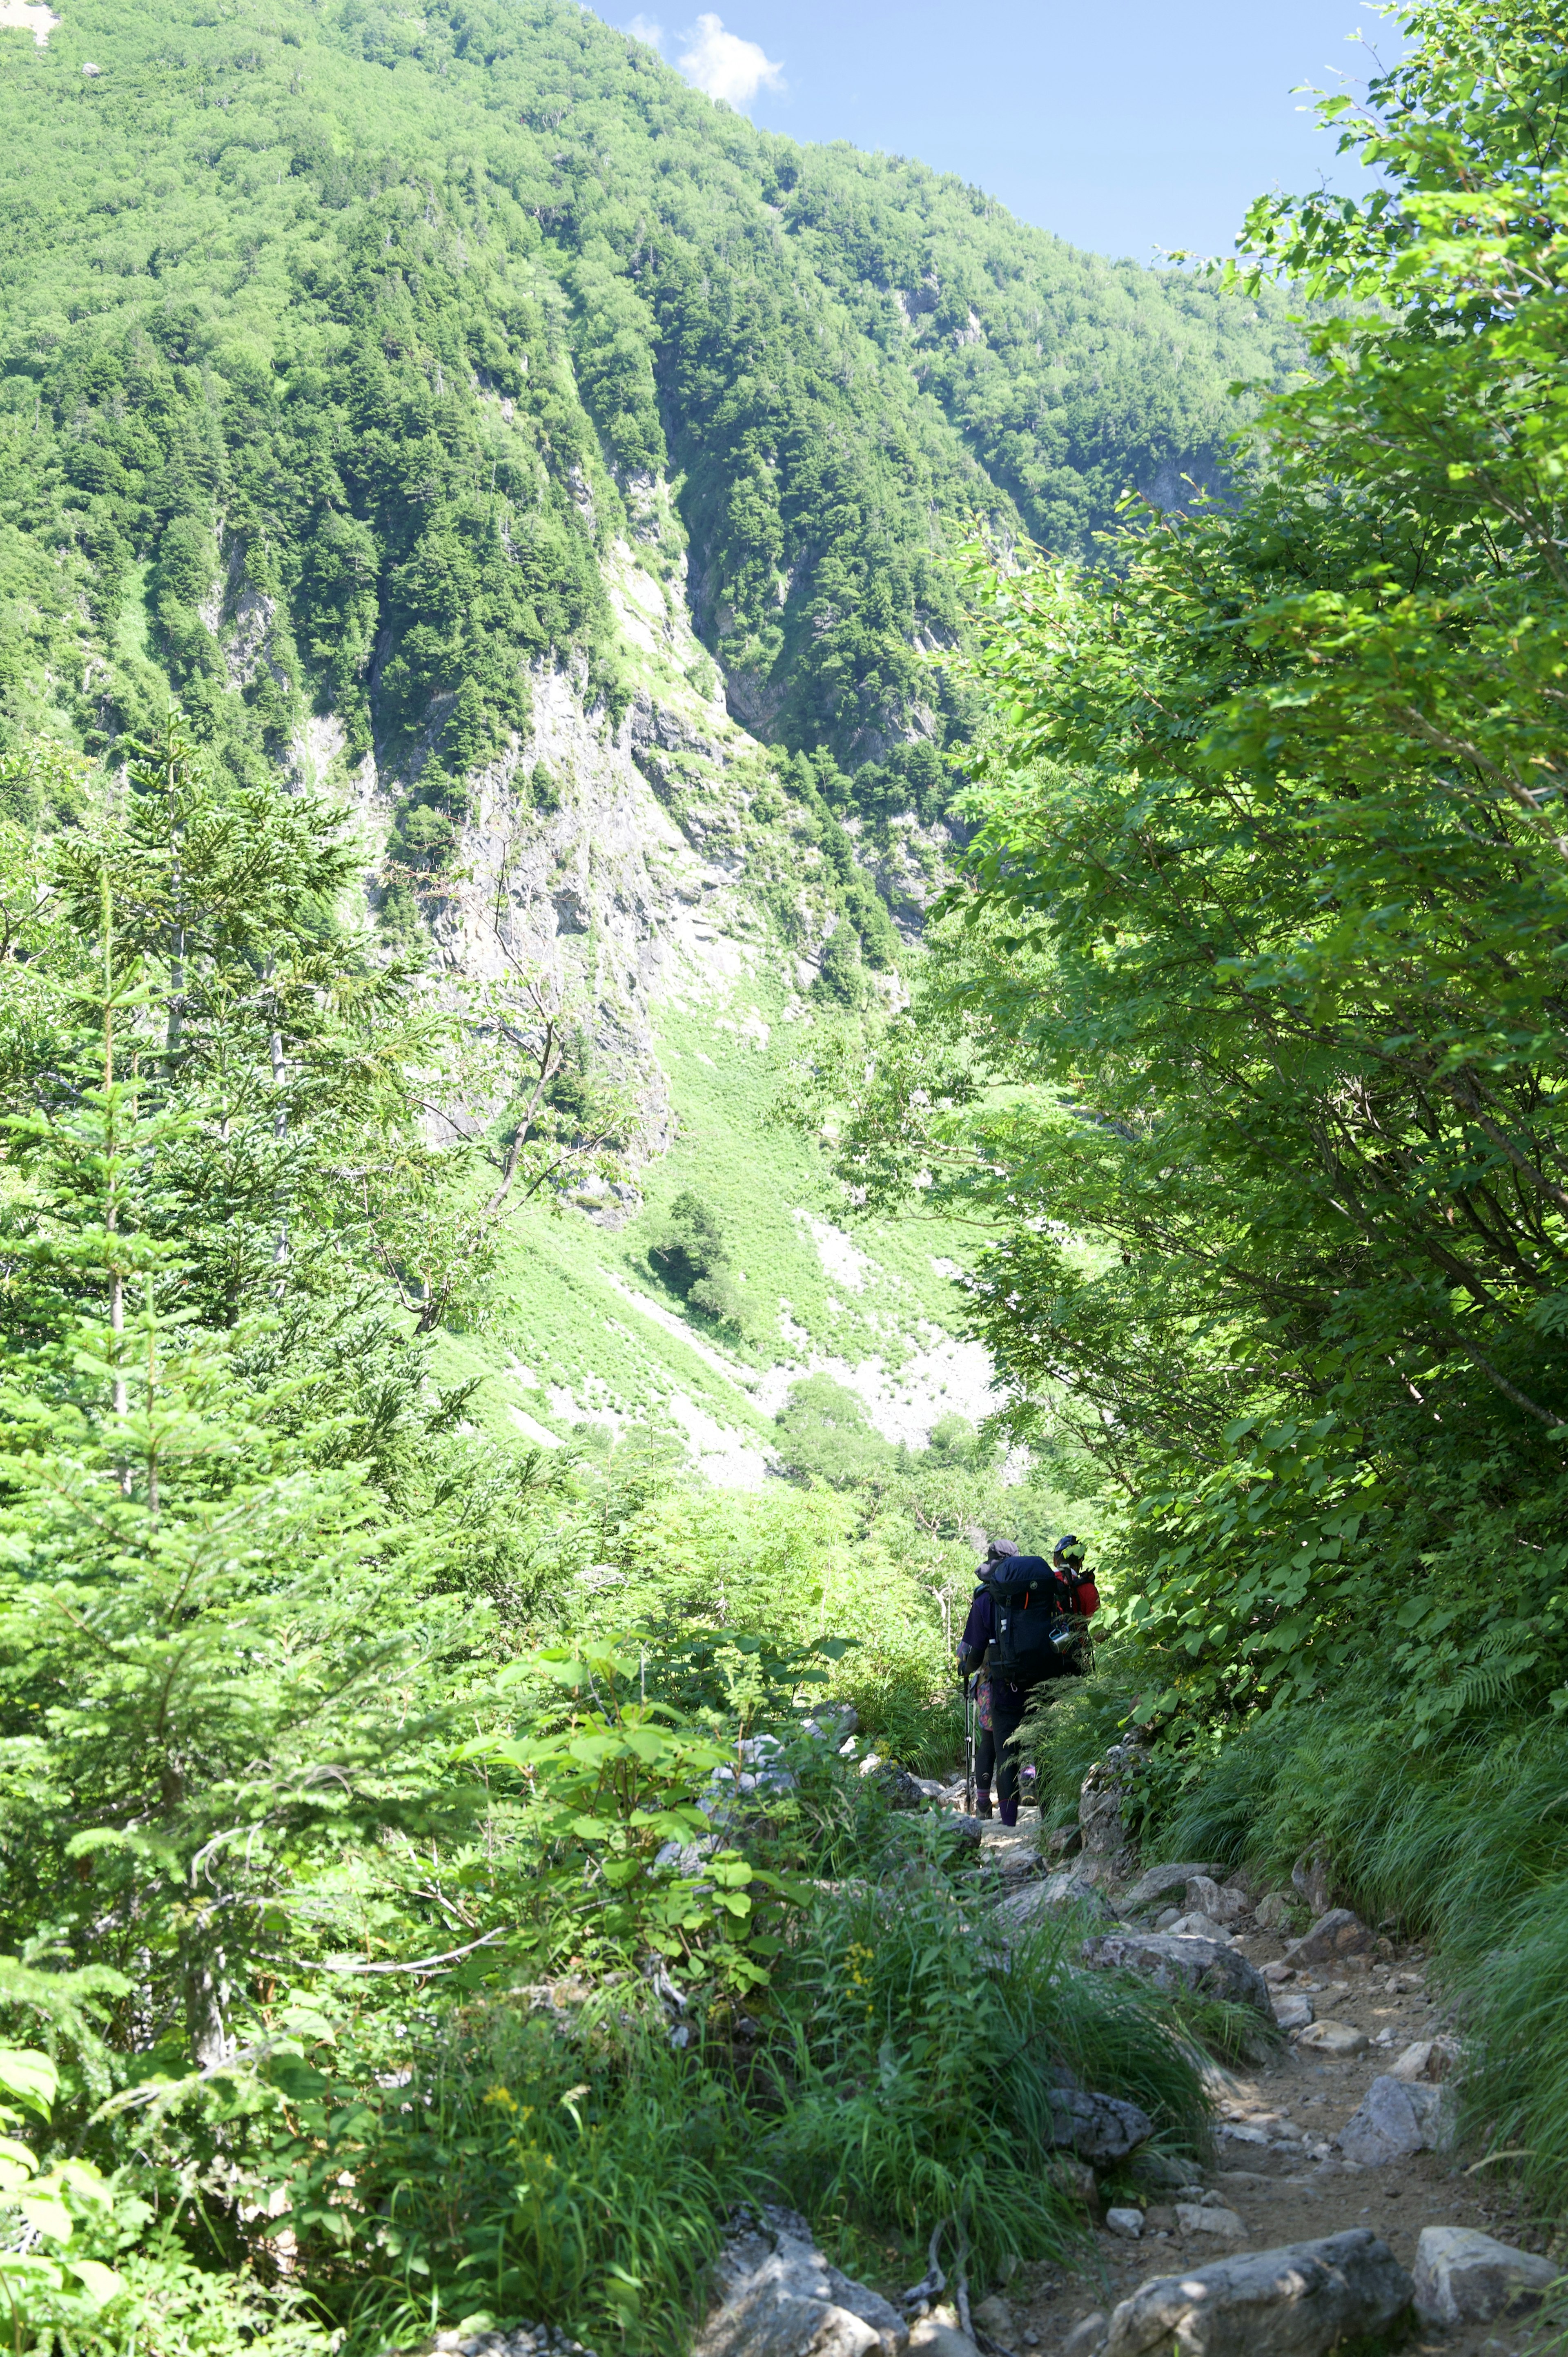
[571, 1326]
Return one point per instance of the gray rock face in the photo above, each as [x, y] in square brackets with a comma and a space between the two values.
[1313, 1878]
[1272, 1912]
[1204, 1896]
[1463, 2277]
[1076, 1886]
[1159, 1881]
[776, 2295]
[1099, 2128]
[1297, 2302]
[1101, 1805]
[1338, 1933]
[1211, 1966]
[1395, 2116]
[1293, 2009]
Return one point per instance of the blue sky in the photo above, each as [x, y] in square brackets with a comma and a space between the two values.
[1126, 125]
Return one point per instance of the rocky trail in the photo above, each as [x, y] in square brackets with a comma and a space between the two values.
[1343, 2128]
[1334, 2212]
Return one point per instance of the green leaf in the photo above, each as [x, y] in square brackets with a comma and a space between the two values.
[100, 2283]
[29, 2077]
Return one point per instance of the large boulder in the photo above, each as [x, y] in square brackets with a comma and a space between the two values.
[1208, 1967]
[1223, 1904]
[1099, 2128]
[1393, 2118]
[774, 2294]
[1159, 1881]
[1462, 2276]
[1338, 1933]
[1076, 1886]
[1297, 2302]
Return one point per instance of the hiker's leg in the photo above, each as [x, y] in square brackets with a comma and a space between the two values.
[984, 1769]
[1007, 1710]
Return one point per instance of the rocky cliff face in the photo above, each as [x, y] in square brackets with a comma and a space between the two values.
[659, 876]
[623, 862]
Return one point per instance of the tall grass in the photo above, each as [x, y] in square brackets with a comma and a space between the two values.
[903, 1716]
[577, 2166]
[919, 2066]
[578, 2171]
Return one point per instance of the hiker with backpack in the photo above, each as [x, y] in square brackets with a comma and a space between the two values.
[1027, 1624]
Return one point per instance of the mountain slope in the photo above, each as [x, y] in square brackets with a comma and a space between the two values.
[409, 312]
[459, 412]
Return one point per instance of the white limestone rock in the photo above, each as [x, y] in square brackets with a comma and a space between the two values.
[1462, 2276]
[1393, 2118]
[1339, 2038]
[776, 2295]
[1299, 2300]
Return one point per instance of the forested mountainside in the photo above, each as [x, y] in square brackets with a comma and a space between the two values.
[340, 346]
[460, 415]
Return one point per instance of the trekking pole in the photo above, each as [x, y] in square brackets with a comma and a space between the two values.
[968, 1751]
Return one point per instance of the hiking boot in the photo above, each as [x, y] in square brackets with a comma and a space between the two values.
[1009, 1812]
[982, 1805]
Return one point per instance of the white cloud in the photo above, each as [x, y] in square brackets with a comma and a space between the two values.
[726, 67]
[643, 28]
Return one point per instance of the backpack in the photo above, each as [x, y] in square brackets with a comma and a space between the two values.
[1039, 1631]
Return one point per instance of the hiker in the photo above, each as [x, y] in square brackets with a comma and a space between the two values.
[1017, 1635]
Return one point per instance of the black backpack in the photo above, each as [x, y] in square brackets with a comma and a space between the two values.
[1038, 1631]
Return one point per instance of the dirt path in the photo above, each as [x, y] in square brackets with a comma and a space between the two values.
[1276, 2164]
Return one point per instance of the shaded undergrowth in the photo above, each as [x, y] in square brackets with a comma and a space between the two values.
[576, 2160]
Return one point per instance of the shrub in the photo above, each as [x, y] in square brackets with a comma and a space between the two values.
[841, 976]
[562, 2164]
[824, 1431]
[692, 1254]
